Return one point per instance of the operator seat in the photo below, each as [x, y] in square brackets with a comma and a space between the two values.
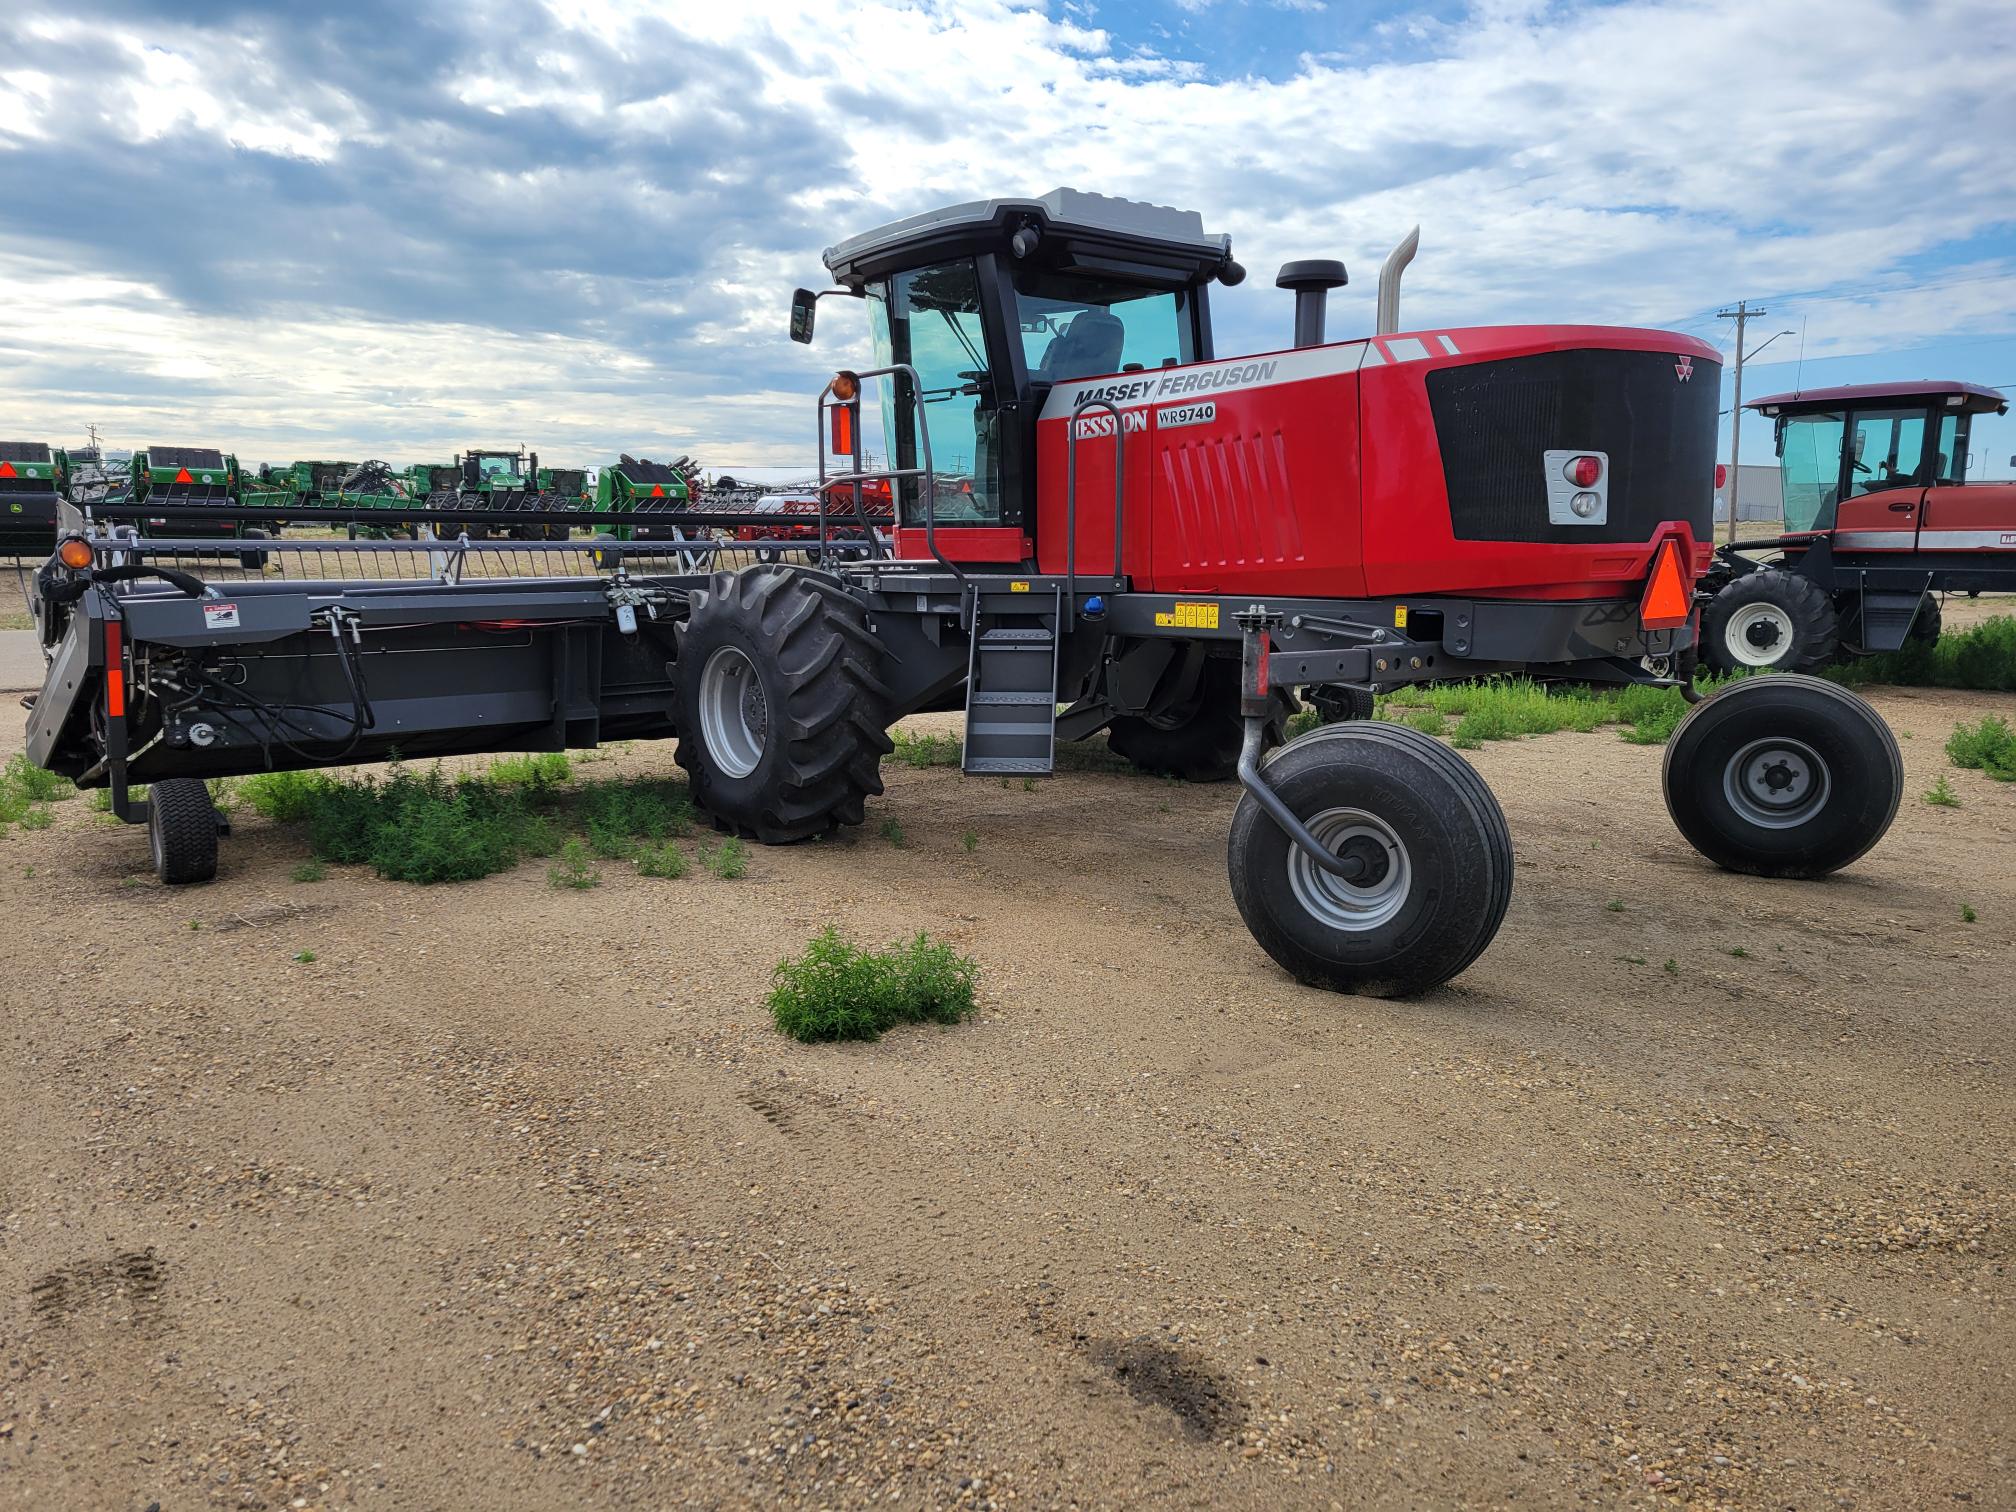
[1090, 345]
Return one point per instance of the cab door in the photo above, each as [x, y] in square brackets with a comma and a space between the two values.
[1883, 492]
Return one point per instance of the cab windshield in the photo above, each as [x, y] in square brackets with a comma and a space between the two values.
[930, 319]
[498, 467]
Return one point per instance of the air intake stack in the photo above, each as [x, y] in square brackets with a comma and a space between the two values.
[1311, 279]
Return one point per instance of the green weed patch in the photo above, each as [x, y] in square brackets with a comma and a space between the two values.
[838, 991]
[1989, 746]
[1982, 656]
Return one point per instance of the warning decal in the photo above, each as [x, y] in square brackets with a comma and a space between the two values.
[1182, 616]
[220, 616]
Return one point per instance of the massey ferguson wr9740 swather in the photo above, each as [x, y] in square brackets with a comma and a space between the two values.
[1101, 524]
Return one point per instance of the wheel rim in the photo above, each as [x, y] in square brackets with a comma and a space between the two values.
[1758, 635]
[1359, 905]
[1777, 783]
[733, 718]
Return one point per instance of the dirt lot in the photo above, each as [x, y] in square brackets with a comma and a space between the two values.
[511, 1198]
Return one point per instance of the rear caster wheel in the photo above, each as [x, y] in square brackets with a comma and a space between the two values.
[1336, 702]
[1783, 776]
[1432, 854]
[1199, 741]
[182, 831]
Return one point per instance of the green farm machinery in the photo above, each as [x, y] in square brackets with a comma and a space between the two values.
[28, 494]
[174, 484]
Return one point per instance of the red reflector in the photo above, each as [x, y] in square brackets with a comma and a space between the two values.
[843, 430]
[1584, 471]
[1721, 474]
[115, 673]
[658, 490]
[183, 476]
[6, 470]
[1668, 600]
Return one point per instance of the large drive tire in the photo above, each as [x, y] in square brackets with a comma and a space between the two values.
[182, 830]
[1771, 620]
[780, 707]
[1423, 821]
[1198, 742]
[1929, 623]
[1783, 776]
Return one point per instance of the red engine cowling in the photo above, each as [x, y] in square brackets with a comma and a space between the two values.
[1509, 462]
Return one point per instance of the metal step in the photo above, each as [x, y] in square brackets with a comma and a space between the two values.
[1011, 691]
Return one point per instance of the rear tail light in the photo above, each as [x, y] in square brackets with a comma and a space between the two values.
[1583, 471]
[1586, 503]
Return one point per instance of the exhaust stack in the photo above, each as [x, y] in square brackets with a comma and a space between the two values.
[1389, 282]
[1312, 279]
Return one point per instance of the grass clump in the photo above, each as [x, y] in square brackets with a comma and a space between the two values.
[33, 784]
[1982, 656]
[309, 871]
[1967, 914]
[729, 860]
[924, 750]
[662, 860]
[575, 868]
[1989, 746]
[304, 956]
[535, 769]
[40, 817]
[971, 840]
[838, 991]
[1941, 794]
[892, 831]
[428, 827]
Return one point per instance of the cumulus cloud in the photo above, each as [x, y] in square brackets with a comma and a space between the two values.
[378, 228]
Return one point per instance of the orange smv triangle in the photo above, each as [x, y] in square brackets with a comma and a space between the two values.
[6, 469]
[183, 476]
[1667, 602]
[657, 490]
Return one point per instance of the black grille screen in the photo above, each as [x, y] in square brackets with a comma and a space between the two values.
[644, 470]
[184, 456]
[24, 451]
[1493, 420]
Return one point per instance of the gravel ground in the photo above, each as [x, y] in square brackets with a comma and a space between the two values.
[510, 1198]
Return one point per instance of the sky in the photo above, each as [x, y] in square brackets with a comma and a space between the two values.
[397, 228]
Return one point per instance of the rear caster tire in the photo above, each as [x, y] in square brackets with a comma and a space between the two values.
[605, 554]
[253, 561]
[1198, 742]
[182, 831]
[1437, 852]
[1771, 621]
[780, 707]
[1929, 623]
[1783, 776]
[1335, 703]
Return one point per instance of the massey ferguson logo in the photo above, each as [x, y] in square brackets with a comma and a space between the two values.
[1683, 368]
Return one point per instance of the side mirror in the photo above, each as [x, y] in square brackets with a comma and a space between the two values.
[804, 306]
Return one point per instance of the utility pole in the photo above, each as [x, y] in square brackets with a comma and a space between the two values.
[1741, 315]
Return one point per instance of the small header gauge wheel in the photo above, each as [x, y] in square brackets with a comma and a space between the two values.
[182, 830]
[1430, 852]
[1783, 776]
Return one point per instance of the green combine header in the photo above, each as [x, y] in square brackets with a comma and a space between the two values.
[177, 481]
[632, 485]
[28, 494]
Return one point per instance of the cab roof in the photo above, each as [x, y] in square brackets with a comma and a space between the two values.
[1971, 398]
[1079, 232]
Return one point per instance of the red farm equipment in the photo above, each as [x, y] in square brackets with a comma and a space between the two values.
[1880, 521]
[1100, 524]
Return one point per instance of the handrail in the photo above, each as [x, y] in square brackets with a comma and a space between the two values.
[1071, 491]
[858, 477]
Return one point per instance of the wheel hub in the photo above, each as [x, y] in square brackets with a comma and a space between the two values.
[1777, 782]
[734, 719]
[1378, 874]
[1758, 634]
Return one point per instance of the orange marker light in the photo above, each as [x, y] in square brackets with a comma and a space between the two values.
[846, 387]
[115, 673]
[75, 552]
[1668, 601]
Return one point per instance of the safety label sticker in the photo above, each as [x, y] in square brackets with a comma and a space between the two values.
[1182, 616]
[220, 616]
